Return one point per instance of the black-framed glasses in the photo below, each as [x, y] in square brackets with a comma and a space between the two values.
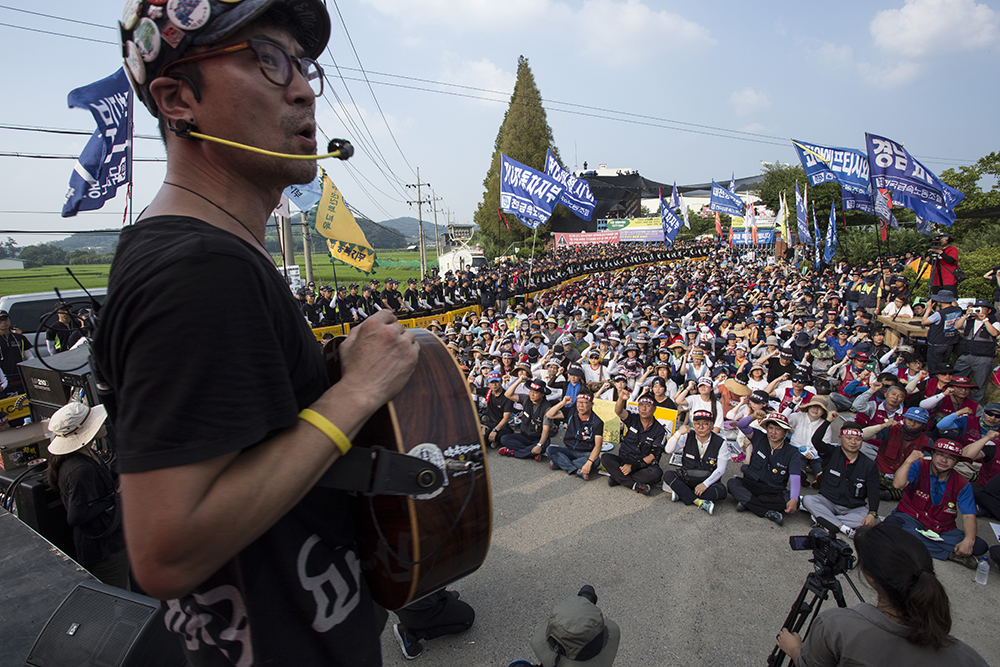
[273, 61]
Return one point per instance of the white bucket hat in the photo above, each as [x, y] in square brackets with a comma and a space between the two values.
[74, 425]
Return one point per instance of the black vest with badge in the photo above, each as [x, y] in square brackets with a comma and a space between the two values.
[978, 344]
[693, 460]
[837, 486]
[532, 418]
[771, 467]
[943, 332]
[637, 443]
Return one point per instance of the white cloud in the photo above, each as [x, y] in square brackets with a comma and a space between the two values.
[480, 74]
[630, 29]
[889, 76]
[928, 27]
[748, 100]
[635, 30]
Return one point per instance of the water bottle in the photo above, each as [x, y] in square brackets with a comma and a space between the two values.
[983, 571]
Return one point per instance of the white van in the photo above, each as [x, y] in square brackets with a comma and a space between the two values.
[28, 310]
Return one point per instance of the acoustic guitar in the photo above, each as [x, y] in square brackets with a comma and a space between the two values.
[411, 547]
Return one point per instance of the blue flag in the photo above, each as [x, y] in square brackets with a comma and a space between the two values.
[725, 201]
[801, 216]
[576, 195]
[106, 160]
[817, 237]
[846, 166]
[732, 183]
[675, 200]
[671, 223]
[527, 192]
[924, 227]
[912, 185]
[831, 235]
[883, 209]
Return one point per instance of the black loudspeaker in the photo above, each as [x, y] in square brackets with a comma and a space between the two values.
[102, 626]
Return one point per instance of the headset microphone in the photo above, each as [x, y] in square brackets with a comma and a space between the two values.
[338, 148]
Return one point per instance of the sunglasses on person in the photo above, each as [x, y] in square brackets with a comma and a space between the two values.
[273, 61]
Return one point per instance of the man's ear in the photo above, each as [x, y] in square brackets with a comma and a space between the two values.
[175, 98]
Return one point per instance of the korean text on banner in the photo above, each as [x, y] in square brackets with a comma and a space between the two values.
[106, 160]
[527, 192]
[846, 166]
[671, 223]
[306, 195]
[576, 195]
[831, 235]
[336, 222]
[802, 216]
[725, 201]
[566, 239]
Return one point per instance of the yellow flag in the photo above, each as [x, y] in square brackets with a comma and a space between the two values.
[345, 240]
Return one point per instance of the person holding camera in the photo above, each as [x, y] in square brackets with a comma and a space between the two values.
[944, 261]
[908, 625]
[704, 457]
[847, 481]
[978, 347]
[933, 494]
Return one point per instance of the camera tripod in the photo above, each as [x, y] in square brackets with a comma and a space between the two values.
[820, 584]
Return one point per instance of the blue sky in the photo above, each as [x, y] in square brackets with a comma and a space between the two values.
[918, 71]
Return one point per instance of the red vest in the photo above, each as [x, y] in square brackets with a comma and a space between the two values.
[894, 450]
[916, 500]
[989, 469]
[788, 401]
[850, 375]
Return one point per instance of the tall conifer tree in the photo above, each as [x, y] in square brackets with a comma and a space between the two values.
[524, 136]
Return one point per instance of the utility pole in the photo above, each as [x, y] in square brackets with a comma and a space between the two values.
[420, 222]
[437, 244]
[306, 248]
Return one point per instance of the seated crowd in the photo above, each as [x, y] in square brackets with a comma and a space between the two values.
[707, 364]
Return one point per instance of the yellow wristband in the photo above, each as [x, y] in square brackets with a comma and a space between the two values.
[328, 429]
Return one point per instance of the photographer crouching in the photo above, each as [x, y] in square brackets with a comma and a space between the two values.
[909, 624]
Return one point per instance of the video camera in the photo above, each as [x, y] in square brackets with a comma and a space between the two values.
[831, 556]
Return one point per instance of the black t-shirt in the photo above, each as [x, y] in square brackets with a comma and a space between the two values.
[496, 405]
[87, 491]
[194, 381]
[12, 349]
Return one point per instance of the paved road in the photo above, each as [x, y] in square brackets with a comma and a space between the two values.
[685, 587]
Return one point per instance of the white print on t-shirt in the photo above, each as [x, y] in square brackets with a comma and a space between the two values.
[194, 626]
[346, 595]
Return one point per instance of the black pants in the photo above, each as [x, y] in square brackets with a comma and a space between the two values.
[520, 444]
[757, 497]
[686, 493]
[937, 356]
[988, 496]
[436, 615]
[648, 475]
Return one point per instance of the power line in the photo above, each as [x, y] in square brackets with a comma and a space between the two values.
[39, 156]
[56, 130]
[58, 18]
[370, 89]
[59, 34]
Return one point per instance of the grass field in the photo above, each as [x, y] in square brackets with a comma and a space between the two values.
[399, 265]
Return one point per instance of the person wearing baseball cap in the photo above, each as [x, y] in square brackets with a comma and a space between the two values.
[87, 488]
[978, 347]
[848, 485]
[496, 421]
[940, 320]
[533, 439]
[637, 464]
[851, 368]
[933, 494]
[704, 457]
[771, 481]
[235, 434]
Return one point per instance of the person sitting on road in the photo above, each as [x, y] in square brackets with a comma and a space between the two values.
[932, 497]
[812, 426]
[637, 463]
[897, 439]
[771, 479]
[848, 481]
[704, 457]
[581, 448]
[535, 426]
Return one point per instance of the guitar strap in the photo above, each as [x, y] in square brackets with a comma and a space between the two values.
[378, 471]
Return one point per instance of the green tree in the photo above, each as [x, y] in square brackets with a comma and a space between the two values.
[9, 248]
[524, 136]
[967, 180]
[43, 254]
